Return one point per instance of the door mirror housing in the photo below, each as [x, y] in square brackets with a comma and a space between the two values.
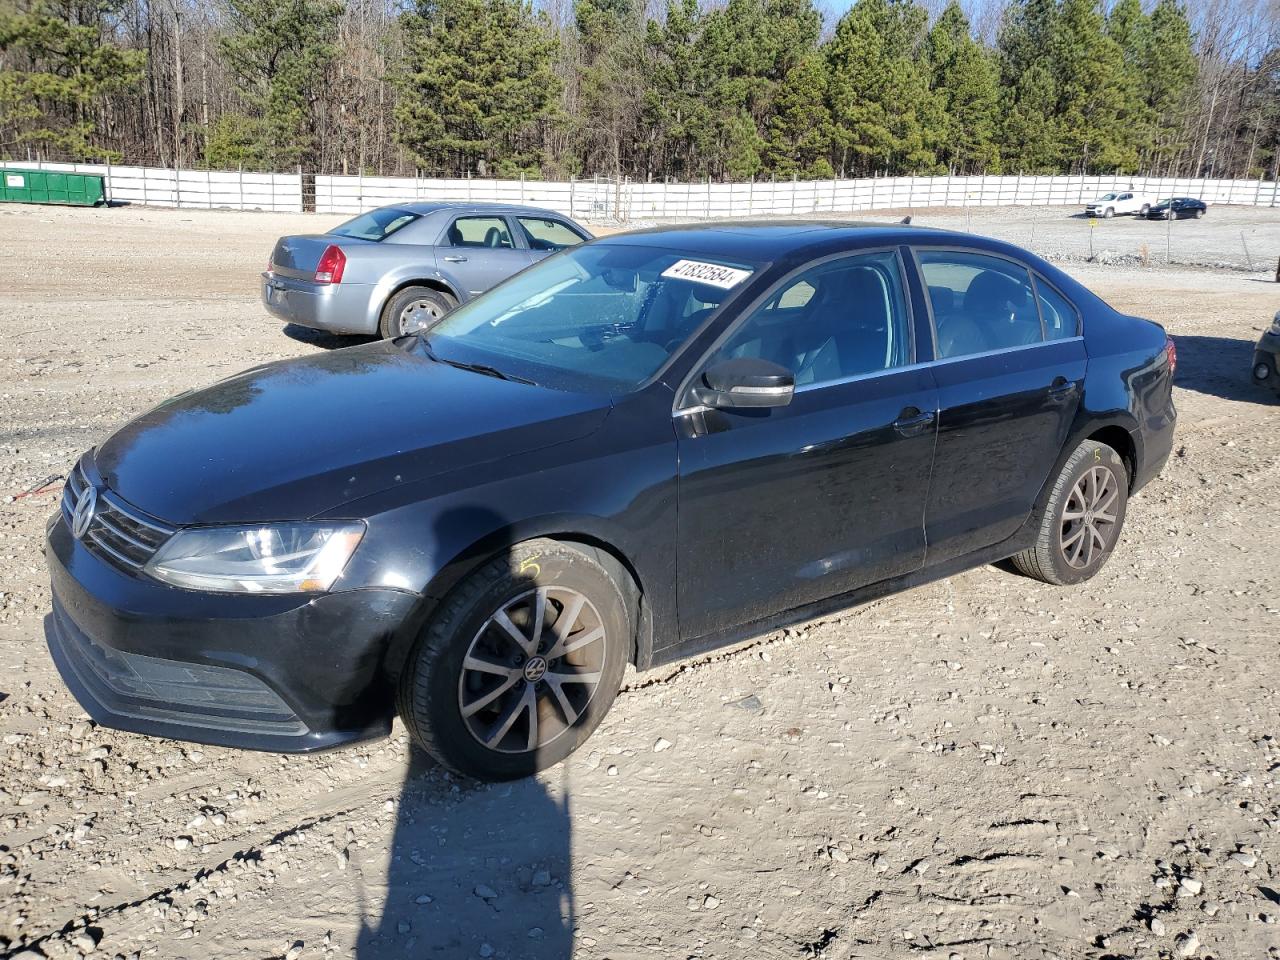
[745, 382]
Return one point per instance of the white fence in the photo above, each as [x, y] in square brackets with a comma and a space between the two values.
[605, 199]
[198, 189]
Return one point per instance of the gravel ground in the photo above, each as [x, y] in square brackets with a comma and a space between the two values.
[982, 767]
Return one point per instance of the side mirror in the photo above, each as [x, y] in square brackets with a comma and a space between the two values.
[745, 382]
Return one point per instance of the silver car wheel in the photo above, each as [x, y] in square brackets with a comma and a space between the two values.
[1089, 519]
[419, 315]
[532, 669]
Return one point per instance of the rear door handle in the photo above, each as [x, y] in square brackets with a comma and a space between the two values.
[1061, 388]
[913, 421]
[455, 259]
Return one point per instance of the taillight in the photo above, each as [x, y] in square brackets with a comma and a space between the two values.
[332, 262]
[271, 267]
[1171, 352]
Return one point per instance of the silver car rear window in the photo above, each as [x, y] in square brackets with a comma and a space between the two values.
[375, 225]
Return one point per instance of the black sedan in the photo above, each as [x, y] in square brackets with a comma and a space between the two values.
[1179, 208]
[644, 447]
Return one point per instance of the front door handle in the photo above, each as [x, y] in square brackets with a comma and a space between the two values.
[1061, 388]
[912, 421]
[455, 259]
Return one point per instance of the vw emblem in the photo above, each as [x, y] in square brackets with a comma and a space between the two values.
[82, 516]
[535, 669]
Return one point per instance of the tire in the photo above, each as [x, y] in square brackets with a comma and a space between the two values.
[1199, 213]
[1146, 208]
[478, 722]
[1069, 551]
[397, 316]
[1108, 213]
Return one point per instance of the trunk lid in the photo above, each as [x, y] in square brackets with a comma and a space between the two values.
[296, 257]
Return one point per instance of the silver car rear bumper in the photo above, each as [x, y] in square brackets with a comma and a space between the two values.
[336, 307]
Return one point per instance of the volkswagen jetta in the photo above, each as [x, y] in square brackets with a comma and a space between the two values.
[646, 446]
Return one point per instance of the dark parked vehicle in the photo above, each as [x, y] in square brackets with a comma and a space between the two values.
[1266, 358]
[647, 446]
[398, 269]
[1180, 208]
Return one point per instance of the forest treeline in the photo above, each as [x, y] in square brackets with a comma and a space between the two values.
[676, 89]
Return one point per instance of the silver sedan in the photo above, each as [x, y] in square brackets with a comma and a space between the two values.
[398, 269]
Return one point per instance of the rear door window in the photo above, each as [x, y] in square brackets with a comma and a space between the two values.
[1060, 318]
[543, 233]
[980, 302]
[489, 232]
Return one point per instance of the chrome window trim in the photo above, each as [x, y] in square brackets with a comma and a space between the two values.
[920, 365]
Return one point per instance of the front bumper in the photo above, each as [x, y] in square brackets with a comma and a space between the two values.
[290, 674]
[333, 307]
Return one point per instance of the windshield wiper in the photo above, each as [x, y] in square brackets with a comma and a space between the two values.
[483, 368]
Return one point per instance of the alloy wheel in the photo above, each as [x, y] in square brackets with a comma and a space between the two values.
[532, 669]
[419, 315]
[1089, 520]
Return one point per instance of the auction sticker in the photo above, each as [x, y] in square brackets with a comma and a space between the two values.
[713, 274]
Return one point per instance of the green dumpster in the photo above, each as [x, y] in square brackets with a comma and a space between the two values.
[50, 186]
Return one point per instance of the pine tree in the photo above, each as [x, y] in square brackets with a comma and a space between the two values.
[1030, 131]
[676, 113]
[278, 53]
[964, 78]
[1096, 120]
[747, 48]
[883, 112]
[476, 84]
[1167, 70]
[610, 86]
[58, 67]
[799, 136]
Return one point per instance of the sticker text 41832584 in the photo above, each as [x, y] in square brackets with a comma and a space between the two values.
[712, 274]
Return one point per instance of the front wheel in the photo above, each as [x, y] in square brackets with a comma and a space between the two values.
[1198, 214]
[1082, 519]
[1108, 213]
[519, 665]
[414, 310]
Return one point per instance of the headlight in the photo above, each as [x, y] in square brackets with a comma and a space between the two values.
[276, 558]
[1274, 329]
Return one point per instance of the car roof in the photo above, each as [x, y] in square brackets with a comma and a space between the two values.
[769, 240]
[467, 206]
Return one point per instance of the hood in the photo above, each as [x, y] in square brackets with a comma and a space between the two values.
[289, 440]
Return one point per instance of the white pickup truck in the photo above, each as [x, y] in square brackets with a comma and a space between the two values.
[1110, 204]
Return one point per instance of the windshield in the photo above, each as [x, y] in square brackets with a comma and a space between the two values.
[595, 313]
[375, 225]
[1108, 196]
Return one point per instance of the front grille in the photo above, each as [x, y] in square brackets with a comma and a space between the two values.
[119, 533]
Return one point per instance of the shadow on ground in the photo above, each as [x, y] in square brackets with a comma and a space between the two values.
[322, 339]
[1219, 367]
[476, 870]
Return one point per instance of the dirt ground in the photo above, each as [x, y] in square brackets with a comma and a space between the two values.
[983, 767]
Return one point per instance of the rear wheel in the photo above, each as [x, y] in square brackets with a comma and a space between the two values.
[1082, 519]
[414, 310]
[519, 665]
[1146, 208]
